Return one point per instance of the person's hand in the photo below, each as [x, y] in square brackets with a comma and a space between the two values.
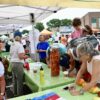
[74, 92]
[1, 97]
[25, 57]
[42, 50]
[71, 74]
[37, 50]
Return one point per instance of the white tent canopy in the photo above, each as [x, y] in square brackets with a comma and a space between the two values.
[15, 17]
[69, 13]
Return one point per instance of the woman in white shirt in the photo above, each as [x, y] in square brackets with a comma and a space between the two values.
[90, 62]
[17, 60]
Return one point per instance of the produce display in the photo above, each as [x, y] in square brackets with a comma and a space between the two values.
[94, 89]
[54, 61]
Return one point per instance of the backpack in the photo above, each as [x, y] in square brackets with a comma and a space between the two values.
[75, 42]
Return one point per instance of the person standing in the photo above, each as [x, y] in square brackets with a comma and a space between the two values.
[17, 54]
[77, 28]
[41, 48]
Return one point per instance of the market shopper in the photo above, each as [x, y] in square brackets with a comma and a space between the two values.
[41, 48]
[91, 62]
[77, 28]
[2, 81]
[87, 30]
[17, 54]
[62, 51]
[69, 57]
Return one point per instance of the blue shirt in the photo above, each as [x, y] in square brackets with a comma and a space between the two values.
[43, 46]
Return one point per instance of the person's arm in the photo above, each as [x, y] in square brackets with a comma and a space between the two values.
[2, 87]
[41, 50]
[22, 56]
[82, 70]
[72, 61]
[72, 64]
[21, 53]
[95, 75]
[2, 84]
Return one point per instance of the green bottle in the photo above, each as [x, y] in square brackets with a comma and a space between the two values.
[41, 75]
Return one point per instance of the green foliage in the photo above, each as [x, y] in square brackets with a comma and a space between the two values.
[39, 26]
[66, 22]
[25, 31]
[54, 23]
[57, 23]
[48, 29]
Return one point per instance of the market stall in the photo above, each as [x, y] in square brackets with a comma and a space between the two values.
[33, 79]
[64, 94]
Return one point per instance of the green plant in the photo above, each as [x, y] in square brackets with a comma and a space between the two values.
[39, 26]
[25, 31]
[66, 22]
[54, 23]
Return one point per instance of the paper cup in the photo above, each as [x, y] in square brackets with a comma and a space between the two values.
[65, 73]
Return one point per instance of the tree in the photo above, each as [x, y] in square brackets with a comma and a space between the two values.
[25, 31]
[39, 26]
[66, 22]
[48, 29]
[54, 23]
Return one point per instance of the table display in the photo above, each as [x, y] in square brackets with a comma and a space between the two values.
[33, 79]
[64, 94]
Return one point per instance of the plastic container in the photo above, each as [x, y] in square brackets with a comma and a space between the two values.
[41, 75]
[54, 62]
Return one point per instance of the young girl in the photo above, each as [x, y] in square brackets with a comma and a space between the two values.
[77, 26]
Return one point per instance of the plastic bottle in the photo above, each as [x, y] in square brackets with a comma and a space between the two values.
[26, 65]
[41, 75]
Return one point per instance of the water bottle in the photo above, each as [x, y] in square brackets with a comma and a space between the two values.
[41, 75]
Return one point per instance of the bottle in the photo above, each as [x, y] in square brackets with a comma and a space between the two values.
[41, 75]
[27, 66]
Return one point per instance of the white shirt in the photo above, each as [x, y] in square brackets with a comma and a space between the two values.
[23, 41]
[90, 66]
[15, 49]
[1, 69]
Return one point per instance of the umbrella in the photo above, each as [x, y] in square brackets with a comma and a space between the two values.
[61, 3]
[46, 32]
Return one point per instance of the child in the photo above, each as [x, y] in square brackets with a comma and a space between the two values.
[41, 48]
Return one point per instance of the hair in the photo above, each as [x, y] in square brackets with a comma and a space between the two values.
[87, 48]
[76, 22]
[17, 38]
[88, 29]
[1, 59]
[0, 41]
